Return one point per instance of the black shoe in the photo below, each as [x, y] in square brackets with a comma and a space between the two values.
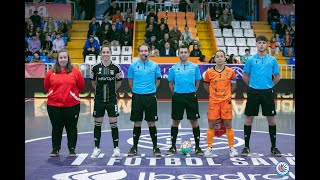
[171, 151]
[275, 151]
[72, 152]
[156, 151]
[133, 151]
[245, 151]
[54, 153]
[199, 151]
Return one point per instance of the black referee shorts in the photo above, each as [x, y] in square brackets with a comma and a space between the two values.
[100, 108]
[187, 101]
[146, 103]
[257, 97]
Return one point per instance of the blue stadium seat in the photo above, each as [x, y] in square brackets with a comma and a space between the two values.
[283, 16]
[51, 60]
[292, 18]
[30, 58]
[42, 24]
[288, 52]
[58, 23]
[44, 59]
[28, 39]
[292, 61]
[65, 39]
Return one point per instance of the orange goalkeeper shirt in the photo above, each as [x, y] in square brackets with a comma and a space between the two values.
[219, 83]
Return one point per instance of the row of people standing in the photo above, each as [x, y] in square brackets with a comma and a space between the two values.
[184, 80]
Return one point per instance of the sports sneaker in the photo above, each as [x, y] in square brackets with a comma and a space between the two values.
[156, 151]
[72, 152]
[96, 152]
[116, 152]
[133, 151]
[54, 153]
[276, 152]
[245, 151]
[233, 152]
[171, 151]
[199, 151]
[208, 151]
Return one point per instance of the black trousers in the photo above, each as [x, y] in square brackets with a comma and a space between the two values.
[61, 117]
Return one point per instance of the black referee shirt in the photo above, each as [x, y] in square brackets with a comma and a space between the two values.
[105, 77]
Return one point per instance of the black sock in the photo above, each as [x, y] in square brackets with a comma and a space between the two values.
[196, 135]
[153, 134]
[272, 133]
[97, 134]
[136, 135]
[247, 133]
[115, 134]
[174, 133]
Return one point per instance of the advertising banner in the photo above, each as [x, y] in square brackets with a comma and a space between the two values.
[56, 11]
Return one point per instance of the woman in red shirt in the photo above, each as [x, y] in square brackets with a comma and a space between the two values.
[63, 83]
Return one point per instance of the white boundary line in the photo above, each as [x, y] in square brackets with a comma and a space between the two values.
[42, 138]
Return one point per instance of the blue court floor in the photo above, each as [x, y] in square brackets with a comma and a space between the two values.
[259, 165]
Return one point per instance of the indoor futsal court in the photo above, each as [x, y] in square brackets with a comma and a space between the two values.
[260, 164]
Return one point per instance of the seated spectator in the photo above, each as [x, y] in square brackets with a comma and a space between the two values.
[64, 30]
[196, 52]
[175, 34]
[128, 14]
[112, 10]
[29, 31]
[201, 60]
[150, 32]
[128, 24]
[281, 28]
[154, 52]
[105, 22]
[34, 45]
[126, 37]
[215, 12]
[287, 39]
[119, 25]
[232, 60]
[39, 33]
[105, 34]
[165, 24]
[187, 36]
[245, 57]
[161, 32]
[153, 23]
[57, 44]
[278, 41]
[36, 58]
[292, 32]
[273, 48]
[152, 14]
[91, 46]
[225, 20]
[46, 49]
[50, 26]
[94, 28]
[165, 39]
[167, 51]
[212, 60]
[153, 42]
[230, 11]
[115, 37]
[273, 15]
[117, 15]
[182, 41]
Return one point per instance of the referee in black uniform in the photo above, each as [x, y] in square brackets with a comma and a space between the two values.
[105, 79]
[144, 78]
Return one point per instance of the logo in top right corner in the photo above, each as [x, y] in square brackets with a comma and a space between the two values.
[282, 169]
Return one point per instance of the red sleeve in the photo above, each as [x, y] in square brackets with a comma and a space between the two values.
[80, 80]
[47, 84]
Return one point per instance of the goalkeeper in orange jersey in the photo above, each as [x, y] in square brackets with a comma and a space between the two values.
[220, 81]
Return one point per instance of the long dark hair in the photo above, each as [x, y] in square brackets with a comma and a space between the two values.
[56, 67]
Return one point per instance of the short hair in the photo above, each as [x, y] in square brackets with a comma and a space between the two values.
[183, 46]
[262, 38]
[246, 50]
[144, 44]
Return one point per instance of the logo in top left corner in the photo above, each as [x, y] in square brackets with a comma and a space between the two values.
[282, 169]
